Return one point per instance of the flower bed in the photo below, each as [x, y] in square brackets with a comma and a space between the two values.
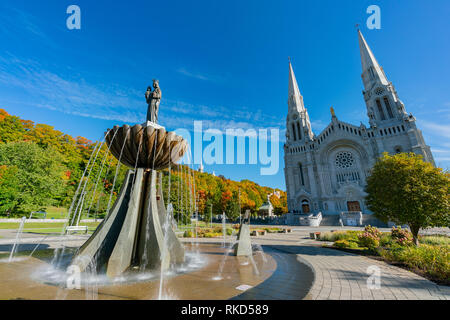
[431, 259]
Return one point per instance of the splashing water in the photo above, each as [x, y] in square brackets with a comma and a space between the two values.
[17, 241]
[165, 248]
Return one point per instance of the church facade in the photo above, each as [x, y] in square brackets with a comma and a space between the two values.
[327, 172]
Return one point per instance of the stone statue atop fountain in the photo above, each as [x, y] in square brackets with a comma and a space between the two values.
[153, 99]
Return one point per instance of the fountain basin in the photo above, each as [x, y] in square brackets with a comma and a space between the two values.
[146, 146]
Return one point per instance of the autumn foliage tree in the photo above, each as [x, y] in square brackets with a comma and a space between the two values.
[60, 160]
[406, 190]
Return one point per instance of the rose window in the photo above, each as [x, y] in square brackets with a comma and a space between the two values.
[344, 160]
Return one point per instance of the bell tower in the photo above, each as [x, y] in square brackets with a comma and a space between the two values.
[386, 112]
[297, 123]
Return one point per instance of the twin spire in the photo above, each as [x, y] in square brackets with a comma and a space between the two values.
[295, 101]
[368, 62]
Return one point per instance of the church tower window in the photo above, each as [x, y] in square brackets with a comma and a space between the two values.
[301, 174]
[293, 132]
[380, 110]
[388, 107]
[299, 131]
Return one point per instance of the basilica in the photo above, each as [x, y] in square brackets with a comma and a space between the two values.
[327, 172]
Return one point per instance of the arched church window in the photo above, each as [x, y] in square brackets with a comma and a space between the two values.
[344, 160]
[380, 110]
[293, 132]
[299, 131]
[302, 178]
[388, 107]
[305, 206]
[398, 149]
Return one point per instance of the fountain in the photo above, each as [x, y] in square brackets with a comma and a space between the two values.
[244, 244]
[132, 234]
[134, 253]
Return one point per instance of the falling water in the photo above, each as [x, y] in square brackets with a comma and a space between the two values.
[37, 246]
[85, 183]
[102, 166]
[227, 252]
[16, 242]
[261, 252]
[224, 229]
[165, 248]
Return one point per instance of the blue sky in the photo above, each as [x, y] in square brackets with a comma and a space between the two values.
[223, 62]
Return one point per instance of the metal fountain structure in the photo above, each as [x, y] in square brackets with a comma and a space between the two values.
[244, 244]
[132, 235]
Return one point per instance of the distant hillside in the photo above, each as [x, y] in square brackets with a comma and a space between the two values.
[40, 166]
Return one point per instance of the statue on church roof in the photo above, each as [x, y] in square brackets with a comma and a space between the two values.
[332, 112]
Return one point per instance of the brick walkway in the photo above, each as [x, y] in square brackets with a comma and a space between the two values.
[343, 276]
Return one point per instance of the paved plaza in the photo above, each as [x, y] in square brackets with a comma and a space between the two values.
[304, 269]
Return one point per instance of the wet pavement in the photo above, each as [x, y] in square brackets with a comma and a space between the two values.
[295, 267]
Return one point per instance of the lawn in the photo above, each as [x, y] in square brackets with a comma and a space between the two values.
[44, 227]
[52, 213]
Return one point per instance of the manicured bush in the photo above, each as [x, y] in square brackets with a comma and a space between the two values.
[368, 240]
[346, 244]
[339, 235]
[401, 236]
[372, 231]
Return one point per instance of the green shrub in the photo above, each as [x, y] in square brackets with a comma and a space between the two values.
[339, 235]
[346, 244]
[188, 234]
[368, 240]
[401, 236]
[434, 261]
[212, 235]
[272, 230]
[386, 239]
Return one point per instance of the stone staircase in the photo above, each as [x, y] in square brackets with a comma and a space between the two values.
[330, 220]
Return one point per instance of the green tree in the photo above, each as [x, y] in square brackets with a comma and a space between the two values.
[39, 175]
[9, 189]
[406, 190]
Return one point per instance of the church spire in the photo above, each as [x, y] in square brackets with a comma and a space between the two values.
[295, 101]
[370, 67]
[298, 124]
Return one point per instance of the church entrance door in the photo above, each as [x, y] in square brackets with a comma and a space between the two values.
[353, 206]
[305, 208]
